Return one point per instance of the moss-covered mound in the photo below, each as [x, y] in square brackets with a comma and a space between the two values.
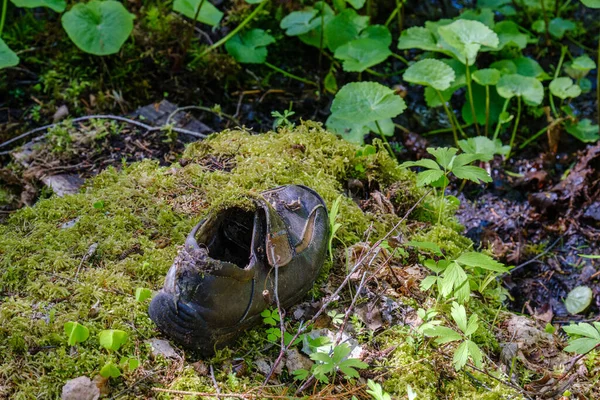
[138, 217]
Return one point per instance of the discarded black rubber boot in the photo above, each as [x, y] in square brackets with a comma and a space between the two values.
[224, 277]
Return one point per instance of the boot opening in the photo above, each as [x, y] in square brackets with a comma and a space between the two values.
[232, 238]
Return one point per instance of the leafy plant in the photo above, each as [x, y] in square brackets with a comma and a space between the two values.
[376, 391]
[585, 337]
[76, 332]
[360, 107]
[328, 364]
[467, 348]
[270, 316]
[199, 10]
[112, 339]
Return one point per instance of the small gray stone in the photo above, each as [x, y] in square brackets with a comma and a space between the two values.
[295, 360]
[81, 388]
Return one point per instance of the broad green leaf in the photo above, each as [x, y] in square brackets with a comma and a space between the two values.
[340, 352]
[142, 294]
[530, 89]
[472, 325]
[76, 332]
[558, 27]
[475, 353]
[344, 27]
[474, 259]
[582, 345]
[564, 88]
[379, 33]
[364, 102]
[578, 299]
[354, 132]
[479, 103]
[112, 339]
[424, 162]
[472, 173]
[330, 83]
[417, 38]
[467, 37]
[454, 277]
[431, 95]
[426, 246]
[443, 334]
[584, 130]
[98, 27]
[459, 314]
[7, 57]
[529, 67]
[583, 63]
[298, 22]
[487, 76]
[505, 67]
[358, 4]
[209, 14]
[591, 3]
[430, 72]
[313, 37]
[386, 125]
[509, 35]
[483, 15]
[443, 155]
[360, 54]
[483, 146]
[55, 5]
[250, 47]
[428, 282]
[461, 355]
[428, 176]
[583, 329]
[110, 370]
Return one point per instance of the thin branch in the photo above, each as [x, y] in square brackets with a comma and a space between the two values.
[518, 267]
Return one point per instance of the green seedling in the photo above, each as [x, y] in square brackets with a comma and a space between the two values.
[76, 333]
[112, 339]
[467, 349]
[142, 294]
[376, 391]
[360, 107]
[327, 364]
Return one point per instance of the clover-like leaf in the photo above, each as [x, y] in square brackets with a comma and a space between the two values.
[98, 27]
[584, 130]
[112, 339]
[529, 89]
[250, 47]
[142, 294]
[298, 22]
[487, 76]
[564, 87]
[209, 14]
[110, 370]
[76, 332]
[578, 299]
[360, 54]
[417, 38]
[465, 38]
[430, 72]
[364, 102]
[55, 5]
[8, 58]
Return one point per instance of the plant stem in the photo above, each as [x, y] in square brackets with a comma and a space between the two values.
[443, 130]
[321, 40]
[504, 107]
[404, 60]
[289, 75]
[487, 110]
[563, 52]
[188, 39]
[442, 199]
[514, 134]
[3, 17]
[385, 141]
[232, 33]
[546, 23]
[449, 116]
[475, 122]
[540, 132]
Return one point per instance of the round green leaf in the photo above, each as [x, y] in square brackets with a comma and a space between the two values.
[142, 294]
[209, 14]
[112, 339]
[417, 38]
[530, 89]
[430, 72]
[591, 3]
[578, 299]
[55, 5]
[583, 63]
[466, 38]
[509, 34]
[350, 131]
[8, 58]
[529, 67]
[564, 88]
[298, 22]
[344, 27]
[250, 47]
[584, 131]
[558, 27]
[76, 332]
[364, 102]
[110, 370]
[487, 76]
[360, 54]
[379, 33]
[505, 67]
[98, 27]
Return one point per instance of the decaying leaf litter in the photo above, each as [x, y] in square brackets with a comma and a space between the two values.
[521, 217]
